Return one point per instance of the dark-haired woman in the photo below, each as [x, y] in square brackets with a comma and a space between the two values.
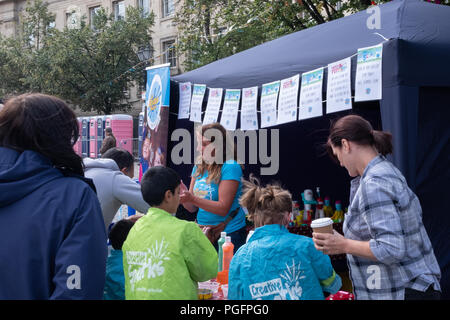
[388, 250]
[54, 240]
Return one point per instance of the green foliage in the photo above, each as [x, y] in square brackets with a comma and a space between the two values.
[91, 67]
[214, 29]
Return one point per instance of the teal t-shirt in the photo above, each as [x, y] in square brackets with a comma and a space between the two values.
[231, 170]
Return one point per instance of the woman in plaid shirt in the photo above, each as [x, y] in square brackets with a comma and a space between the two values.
[388, 250]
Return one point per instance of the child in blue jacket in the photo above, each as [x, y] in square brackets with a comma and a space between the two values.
[276, 264]
[115, 278]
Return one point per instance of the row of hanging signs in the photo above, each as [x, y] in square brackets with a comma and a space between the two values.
[279, 100]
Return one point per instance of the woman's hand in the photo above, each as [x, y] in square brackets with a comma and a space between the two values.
[186, 197]
[330, 243]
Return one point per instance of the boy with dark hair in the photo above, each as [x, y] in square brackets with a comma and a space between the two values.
[165, 257]
[115, 281]
[112, 176]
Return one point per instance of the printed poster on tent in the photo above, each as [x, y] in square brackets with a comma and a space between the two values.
[368, 80]
[249, 115]
[287, 102]
[198, 93]
[311, 94]
[156, 118]
[230, 109]
[269, 98]
[213, 106]
[185, 100]
[339, 93]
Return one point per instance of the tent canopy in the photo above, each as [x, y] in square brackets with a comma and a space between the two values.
[415, 105]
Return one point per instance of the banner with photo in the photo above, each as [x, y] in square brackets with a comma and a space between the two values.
[156, 118]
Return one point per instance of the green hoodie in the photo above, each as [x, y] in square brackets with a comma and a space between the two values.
[164, 257]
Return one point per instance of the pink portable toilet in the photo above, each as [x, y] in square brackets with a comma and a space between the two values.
[93, 137]
[122, 128]
[77, 145]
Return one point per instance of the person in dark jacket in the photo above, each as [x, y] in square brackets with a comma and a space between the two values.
[54, 240]
[109, 141]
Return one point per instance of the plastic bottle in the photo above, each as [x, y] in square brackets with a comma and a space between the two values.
[319, 209]
[327, 209]
[220, 243]
[227, 249]
[338, 215]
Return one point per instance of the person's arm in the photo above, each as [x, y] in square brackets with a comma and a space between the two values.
[129, 192]
[379, 211]
[336, 244]
[321, 264]
[227, 192]
[80, 261]
[199, 254]
[188, 205]
[230, 178]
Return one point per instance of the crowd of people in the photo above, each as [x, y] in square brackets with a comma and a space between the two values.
[56, 210]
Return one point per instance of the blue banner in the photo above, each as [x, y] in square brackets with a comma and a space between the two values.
[156, 118]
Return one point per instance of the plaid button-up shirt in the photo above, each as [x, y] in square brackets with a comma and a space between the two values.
[385, 212]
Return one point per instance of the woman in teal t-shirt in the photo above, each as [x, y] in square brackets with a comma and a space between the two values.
[216, 185]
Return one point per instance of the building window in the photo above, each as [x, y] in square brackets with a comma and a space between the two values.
[92, 13]
[145, 6]
[119, 10]
[71, 19]
[168, 8]
[169, 53]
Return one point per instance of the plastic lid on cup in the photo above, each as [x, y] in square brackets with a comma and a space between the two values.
[320, 223]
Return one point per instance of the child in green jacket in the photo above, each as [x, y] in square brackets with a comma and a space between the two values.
[165, 257]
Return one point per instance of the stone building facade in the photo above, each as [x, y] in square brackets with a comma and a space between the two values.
[69, 12]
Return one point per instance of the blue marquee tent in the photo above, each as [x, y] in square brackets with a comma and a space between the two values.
[415, 106]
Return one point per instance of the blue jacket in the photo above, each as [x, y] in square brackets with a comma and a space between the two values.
[53, 236]
[276, 264]
[115, 278]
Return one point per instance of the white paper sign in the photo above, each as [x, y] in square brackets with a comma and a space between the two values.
[230, 109]
[368, 73]
[269, 97]
[249, 116]
[185, 100]
[213, 106]
[339, 92]
[196, 103]
[311, 94]
[287, 102]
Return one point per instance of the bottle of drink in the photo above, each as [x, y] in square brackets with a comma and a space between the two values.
[319, 209]
[220, 243]
[327, 209]
[338, 215]
[227, 249]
